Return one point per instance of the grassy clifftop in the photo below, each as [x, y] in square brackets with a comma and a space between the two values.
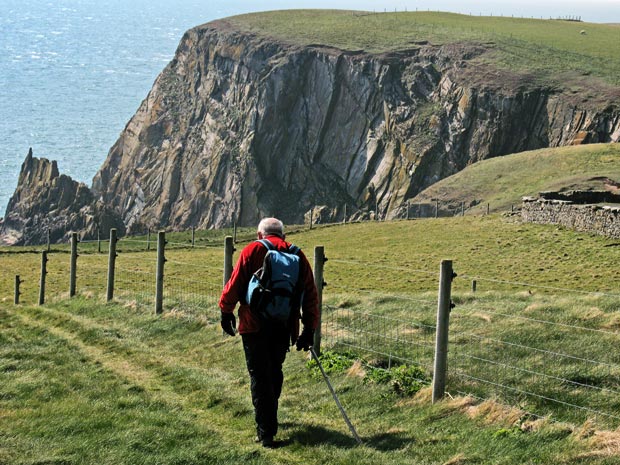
[502, 181]
[543, 47]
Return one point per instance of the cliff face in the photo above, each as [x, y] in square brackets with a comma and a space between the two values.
[237, 127]
[46, 200]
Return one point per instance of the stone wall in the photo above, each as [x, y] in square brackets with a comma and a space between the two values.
[603, 220]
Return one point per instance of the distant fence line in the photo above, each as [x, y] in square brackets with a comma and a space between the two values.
[396, 329]
[316, 216]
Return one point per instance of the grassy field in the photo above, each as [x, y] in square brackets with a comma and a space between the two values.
[486, 248]
[503, 181]
[89, 383]
[85, 382]
[542, 47]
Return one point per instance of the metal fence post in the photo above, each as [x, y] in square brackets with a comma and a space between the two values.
[319, 261]
[98, 241]
[193, 236]
[17, 293]
[229, 249]
[42, 279]
[159, 277]
[111, 264]
[311, 214]
[148, 239]
[443, 320]
[73, 267]
[49, 239]
[473, 286]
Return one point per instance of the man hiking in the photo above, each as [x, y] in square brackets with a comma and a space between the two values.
[266, 338]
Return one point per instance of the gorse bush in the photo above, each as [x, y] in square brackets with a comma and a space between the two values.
[405, 380]
[332, 362]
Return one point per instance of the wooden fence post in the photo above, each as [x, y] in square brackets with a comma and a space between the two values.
[111, 264]
[311, 214]
[98, 241]
[462, 208]
[443, 319]
[42, 279]
[148, 239]
[229, 249]
[49, 240]
[319, 261]
[344, 217]
[73, 267]
[436, 208]
[473, 286]
[234, 232]
[193, 236]
[159, 277]
[17, 293]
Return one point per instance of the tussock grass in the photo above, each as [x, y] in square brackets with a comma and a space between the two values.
[93, 383]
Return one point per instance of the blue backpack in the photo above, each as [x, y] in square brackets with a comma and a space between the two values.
[274, 290]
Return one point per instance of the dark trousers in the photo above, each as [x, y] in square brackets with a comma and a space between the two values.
[265, 352]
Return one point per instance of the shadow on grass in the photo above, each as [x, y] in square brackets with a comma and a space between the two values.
[311, 435]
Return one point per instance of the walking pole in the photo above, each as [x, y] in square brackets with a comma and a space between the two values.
[331, 389]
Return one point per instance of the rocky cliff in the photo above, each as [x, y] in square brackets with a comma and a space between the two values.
[238, 126]
[47, 201]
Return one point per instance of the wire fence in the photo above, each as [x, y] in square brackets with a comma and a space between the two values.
[550, 354]
[546, 355]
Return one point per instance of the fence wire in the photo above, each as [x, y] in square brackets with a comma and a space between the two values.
[530, 356]
[390, 341]
[92, 274]
[384, 327]
[559, 374]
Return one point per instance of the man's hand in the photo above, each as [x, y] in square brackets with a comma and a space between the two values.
[306, 339]
[229, 323]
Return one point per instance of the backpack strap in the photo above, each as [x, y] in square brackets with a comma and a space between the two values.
[268, 245]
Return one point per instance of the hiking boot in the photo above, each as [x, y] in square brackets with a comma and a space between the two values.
[265, 441]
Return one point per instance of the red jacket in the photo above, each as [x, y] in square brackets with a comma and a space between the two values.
[250, 260]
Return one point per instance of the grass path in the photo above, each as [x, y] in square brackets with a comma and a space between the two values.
[90, 383]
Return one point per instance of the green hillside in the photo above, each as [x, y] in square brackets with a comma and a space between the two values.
[551, 50]
[503, 181]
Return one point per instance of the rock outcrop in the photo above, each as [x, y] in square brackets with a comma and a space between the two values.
[238, 126]
[48, 201]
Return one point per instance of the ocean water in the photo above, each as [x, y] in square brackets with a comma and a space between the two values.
[73, 72]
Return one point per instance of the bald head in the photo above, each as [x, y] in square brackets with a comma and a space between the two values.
[270, 227]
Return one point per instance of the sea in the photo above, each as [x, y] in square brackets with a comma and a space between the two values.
[73, 72]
